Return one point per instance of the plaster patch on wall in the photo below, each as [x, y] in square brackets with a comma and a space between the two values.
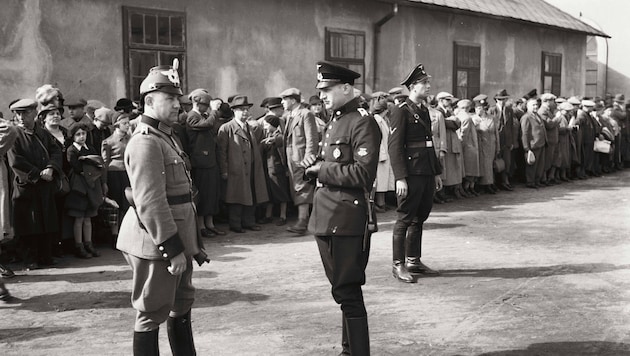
[26, 47]
[509, 55]
[276, 83]
[226, 81]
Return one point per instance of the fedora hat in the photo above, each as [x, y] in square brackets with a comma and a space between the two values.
[240, 101]
[502, 94]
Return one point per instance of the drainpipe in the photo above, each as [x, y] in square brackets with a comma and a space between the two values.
[377, 35]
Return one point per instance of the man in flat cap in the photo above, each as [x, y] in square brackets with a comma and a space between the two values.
[300, 140]
[586, 123]
[451, 159]
[547, 112]
[345, 168]
[534, 137]
[417, 173]
[159, 236]
[617, 113]
[76, 112]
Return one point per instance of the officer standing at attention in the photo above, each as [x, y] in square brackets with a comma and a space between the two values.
[159, 235]
[345, 168]
[416, 170]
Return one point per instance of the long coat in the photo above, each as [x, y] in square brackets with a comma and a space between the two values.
[8, 134]
[35, 211]
[488, 137]
[453, 166]
[237, 154]
[301, 138]
[470, 145]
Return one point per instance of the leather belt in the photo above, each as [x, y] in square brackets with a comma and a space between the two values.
[179, 199]
[420, 144]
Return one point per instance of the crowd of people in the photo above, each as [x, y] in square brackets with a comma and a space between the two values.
[63, 158]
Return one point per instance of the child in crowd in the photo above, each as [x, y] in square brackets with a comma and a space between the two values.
[277, 178]
[88, 185]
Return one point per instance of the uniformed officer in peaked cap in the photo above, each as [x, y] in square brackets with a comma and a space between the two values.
[345, 168]
[159, 234]
[416, 170]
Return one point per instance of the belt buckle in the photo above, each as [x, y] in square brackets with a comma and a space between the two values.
[429, 143]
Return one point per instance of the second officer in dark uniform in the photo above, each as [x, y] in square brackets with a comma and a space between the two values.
[345, 169]
[416, 170]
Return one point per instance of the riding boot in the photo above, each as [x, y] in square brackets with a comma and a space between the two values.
[180, 335]
[146, 343]
[345, 346]
[398, 248]
[358, 336]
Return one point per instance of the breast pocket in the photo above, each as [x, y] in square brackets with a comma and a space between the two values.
[340, 150]
[174, 169]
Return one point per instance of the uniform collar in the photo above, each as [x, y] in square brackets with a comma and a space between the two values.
[350, 106]
[156, 124]
[419, 105]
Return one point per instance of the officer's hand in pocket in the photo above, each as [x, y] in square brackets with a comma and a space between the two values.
[178, 265]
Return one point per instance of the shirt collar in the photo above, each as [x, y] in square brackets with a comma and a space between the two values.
[78, 146]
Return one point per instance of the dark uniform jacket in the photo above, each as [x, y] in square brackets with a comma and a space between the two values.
[349, 150]
[411, 142]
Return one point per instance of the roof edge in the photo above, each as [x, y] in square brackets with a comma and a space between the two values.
[411, 3]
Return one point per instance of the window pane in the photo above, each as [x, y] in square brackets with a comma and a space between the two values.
[136, 27]
[473, 79]
[360, 53]
[462, 92]
[177, 31]
[164, 30]
[150, 29]
[547, 84]
[555, 85]
[141, 62]
[462, 78]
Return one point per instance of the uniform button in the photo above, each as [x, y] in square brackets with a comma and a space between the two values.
[323, 153]
[337, 142]
[165, 255]
[326, 144]
[415, 122]
[356, 202]
[330, 128]
[327, 135]
[338, 113]
[162, 172]
[334, 230]
[409, 157]
[320, 143]
[161, 248]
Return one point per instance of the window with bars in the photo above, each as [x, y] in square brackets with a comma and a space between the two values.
[347, 48]
[151, 38]
[466, 70]
[551, 72]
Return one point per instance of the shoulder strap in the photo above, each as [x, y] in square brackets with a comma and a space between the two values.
[417, 117]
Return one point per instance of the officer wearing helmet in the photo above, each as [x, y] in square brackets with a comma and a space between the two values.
[159, 234]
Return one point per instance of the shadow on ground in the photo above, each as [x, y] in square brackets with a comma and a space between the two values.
[529, 272]
[581, 348]
[26, 334]
[69, 301]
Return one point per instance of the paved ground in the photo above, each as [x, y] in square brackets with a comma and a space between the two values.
[543, 272]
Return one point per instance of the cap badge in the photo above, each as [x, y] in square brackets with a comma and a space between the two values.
[172, 74]
[336, 153]
[362, 151]
[320, 76]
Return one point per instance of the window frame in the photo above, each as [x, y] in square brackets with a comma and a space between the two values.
[457, 46]
[347, 61]
[553, 75]
[159, 50]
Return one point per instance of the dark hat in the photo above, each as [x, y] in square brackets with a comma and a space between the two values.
[620, 98]
[502, 94]
[416, 74]
[117, 117]
[123, 103]
[23, 104]
[224, 111]
[231, 97]
[271, 102]
[74, 102]
[240, 101]
[314, 100]
[481, 100]
[162, 78]
[273, 120]
[532, 94]
[185, 100]
[330, 74]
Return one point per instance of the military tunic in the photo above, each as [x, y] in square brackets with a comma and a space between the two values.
[349, 150]
[161, 226]
[414, 159]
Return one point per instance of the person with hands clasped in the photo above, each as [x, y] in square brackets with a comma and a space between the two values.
[159, 235]
[345, 169]
[417, 173]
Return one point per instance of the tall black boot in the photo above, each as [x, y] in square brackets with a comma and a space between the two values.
[180, 335]
[146, 343]
[358, 336]
[398, 248]
[345, 346]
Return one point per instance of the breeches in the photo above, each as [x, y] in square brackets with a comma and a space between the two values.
[157, 294]
[344, 263]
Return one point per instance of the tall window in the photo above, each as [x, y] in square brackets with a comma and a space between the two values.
[151, 38]
[551, 72]
[467, 69]
[591, 67]
[347, 48]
